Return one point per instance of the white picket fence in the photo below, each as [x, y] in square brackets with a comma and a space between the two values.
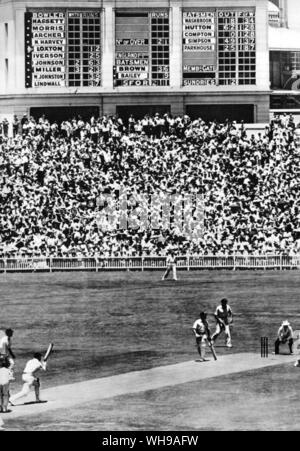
[236, 262]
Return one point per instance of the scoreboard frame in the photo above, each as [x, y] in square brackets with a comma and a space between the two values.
[65, 68]
[153, 50]
[157, 73]
[240, 61]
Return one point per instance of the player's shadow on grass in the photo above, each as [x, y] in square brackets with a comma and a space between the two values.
[34, 402]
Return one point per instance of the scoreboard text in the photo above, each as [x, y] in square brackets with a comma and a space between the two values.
[219, 47]
[142, 49]
[64, 48]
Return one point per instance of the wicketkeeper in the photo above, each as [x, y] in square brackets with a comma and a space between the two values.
[285, 335]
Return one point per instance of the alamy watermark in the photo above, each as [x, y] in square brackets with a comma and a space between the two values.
[183, 214]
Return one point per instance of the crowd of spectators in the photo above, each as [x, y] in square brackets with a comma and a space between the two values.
[54, 175]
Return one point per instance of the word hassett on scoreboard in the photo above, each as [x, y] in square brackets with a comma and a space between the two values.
[62, 48]
[219, 47]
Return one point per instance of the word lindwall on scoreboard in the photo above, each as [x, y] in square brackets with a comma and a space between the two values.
[219, 47]
[62, 48]
[142, 49]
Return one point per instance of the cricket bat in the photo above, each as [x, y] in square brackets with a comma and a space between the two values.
[49, 352]
[213, 351]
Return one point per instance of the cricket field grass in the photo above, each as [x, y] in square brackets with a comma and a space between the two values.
[117, 324]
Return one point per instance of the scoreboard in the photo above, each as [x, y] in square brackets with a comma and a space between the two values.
[45, 49]
[199, 48]
[62, 48]
[219, 47]
[142, 49]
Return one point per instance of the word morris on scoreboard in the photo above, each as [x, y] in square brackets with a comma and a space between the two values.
[142, 49]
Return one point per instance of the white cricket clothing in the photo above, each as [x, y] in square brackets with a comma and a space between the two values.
[4, 376]
[199, 328]
[285, 333]
[4, 345]
[34, 366]
[171, 260]
[223, 314]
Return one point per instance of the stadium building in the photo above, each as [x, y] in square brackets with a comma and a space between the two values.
[207, 58]
[284, 45]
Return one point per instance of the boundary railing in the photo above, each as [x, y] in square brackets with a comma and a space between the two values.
[188, 263]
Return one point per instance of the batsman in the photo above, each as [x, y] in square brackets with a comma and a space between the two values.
[202, 334]
[30, 376]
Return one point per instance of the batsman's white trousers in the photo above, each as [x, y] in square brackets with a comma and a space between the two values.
[29, 381]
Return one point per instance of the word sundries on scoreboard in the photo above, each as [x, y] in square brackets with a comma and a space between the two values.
[64, 48]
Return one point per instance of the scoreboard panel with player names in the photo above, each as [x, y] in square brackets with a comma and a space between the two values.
[219, 47]
[63, 48]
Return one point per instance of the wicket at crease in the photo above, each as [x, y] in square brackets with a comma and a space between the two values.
[264, 347]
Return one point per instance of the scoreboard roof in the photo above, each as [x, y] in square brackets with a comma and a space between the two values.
[284, 39]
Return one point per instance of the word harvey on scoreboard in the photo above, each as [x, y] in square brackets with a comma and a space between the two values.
[45, 49]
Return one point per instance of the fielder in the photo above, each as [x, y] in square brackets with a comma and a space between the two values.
[224, 319]
[202, 334]
[4, 384]
[171, 266]
[30, 379]
[6, 350]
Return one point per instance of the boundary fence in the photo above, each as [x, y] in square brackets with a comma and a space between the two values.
[187, 263]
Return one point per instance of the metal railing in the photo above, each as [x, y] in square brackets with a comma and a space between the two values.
[189, 263]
